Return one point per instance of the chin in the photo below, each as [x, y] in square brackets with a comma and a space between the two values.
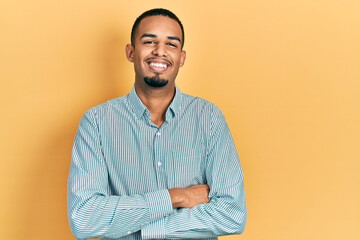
[156, 81]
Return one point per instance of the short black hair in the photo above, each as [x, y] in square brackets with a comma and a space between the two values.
[156, 12]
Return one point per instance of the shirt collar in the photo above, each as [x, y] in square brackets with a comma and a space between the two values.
[176, 102]
[138, 107]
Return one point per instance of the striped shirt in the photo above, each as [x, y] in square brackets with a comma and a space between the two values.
[122, 165]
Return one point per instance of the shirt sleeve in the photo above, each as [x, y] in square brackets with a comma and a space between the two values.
[92, 211]
[226, 212]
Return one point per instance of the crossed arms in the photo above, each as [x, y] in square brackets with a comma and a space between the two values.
[199, 211]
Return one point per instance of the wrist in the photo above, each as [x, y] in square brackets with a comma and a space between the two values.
[177, 197]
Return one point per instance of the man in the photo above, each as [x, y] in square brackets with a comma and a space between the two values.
[156, 163]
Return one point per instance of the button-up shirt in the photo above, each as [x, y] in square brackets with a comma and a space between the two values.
[123, 165]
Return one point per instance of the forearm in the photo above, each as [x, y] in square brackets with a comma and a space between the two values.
[116, 216]
[224, 215]
[189, 197]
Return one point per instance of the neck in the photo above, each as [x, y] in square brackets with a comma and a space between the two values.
[156, 100]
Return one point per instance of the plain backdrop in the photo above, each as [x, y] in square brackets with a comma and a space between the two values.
[285, 74]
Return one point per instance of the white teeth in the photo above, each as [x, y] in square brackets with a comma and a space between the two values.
[158, 65]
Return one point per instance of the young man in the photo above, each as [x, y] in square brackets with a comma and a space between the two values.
[156, 163]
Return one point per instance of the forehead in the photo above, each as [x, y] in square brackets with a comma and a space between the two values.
[160, 26]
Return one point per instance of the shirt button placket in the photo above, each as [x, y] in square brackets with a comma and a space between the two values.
[157, 157]
[158, 134]
[158, 160]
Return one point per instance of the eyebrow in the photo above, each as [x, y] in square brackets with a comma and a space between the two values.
[174, 38]
[155, 36]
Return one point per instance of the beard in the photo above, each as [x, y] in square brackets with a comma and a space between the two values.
[156, 81]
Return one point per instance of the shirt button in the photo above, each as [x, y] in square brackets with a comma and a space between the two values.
[159, 164]
[158, 133]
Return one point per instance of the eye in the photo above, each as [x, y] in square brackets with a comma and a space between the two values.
[149, 42]
[172, 45]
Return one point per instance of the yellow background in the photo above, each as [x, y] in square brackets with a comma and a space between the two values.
[284, 72]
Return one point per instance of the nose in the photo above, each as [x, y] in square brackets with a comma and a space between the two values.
[160, 50]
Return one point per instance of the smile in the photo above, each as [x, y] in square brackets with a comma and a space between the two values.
[158, 66]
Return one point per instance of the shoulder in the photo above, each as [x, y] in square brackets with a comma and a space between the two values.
[201, 106]
[107, 107]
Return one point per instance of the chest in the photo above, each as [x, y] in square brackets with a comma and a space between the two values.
[142, 158]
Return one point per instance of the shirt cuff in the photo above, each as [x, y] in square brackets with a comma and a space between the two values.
[154, 230]
[159, 203]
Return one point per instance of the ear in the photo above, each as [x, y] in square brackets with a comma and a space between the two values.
[182, 58]
[129, 51]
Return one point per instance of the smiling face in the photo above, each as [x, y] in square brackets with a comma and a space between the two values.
[157, 53]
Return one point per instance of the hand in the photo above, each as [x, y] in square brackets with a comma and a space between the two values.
[189, 197]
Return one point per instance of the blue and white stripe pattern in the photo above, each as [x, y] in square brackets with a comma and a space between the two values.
[123, 164]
